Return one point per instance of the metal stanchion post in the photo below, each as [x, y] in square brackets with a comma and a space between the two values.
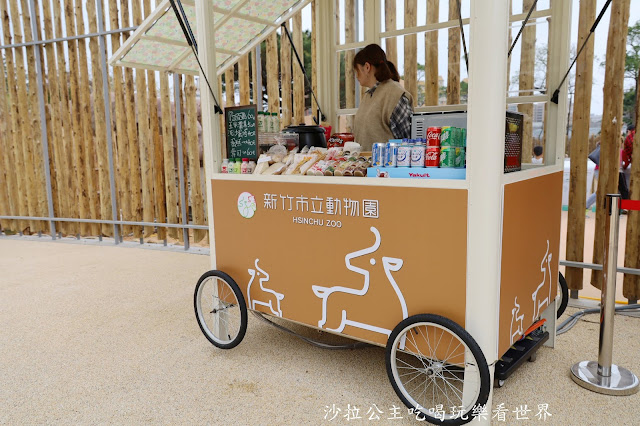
[603, 376]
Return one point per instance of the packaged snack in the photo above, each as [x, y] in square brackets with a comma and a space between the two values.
[274, 169]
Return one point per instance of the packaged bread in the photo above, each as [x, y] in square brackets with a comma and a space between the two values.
[275, 169]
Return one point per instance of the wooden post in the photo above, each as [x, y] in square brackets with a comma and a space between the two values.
[56, 143]
[391, 43]
[122, 135]
[579, 147]
[631, 283]
[197, 198]
[158, 156]
[135, 177]
[243, 79]
[26, 138]
[101, 127]
[144, 141]
[15, 183]
[527, 64]
[611, 124]
[411, 50]
[169, 167]
[453, 75]
[272, 73]
[35, 155]
[6, 201]
[349, 55]
[298, 76]
[314, 68]
[431, 84]
[229, 86]
[185, 151]
[89, 192]
[285, 78]
[256, 93]
[69, 127]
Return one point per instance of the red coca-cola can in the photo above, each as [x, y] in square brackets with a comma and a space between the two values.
[432, 156]
[433, 136]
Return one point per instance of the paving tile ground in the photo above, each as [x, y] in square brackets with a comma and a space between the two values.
[107, 335]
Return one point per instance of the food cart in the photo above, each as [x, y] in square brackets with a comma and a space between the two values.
[447, 274]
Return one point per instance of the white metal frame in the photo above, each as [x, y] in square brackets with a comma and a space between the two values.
[176, 66]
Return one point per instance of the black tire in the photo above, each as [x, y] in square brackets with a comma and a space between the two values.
[232, 303]
[434, 369]
[564, 295]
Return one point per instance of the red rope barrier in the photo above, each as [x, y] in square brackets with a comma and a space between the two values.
[630, 204]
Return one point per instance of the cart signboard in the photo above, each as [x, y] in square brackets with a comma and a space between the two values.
[348, 259]
[241, 131]
[530, 253]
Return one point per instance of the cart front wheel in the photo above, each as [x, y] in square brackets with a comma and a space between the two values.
[220, 309]
[433, 365]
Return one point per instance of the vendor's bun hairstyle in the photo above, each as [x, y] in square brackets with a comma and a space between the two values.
[384, 69]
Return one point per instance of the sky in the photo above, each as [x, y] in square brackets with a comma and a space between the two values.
[599, 36]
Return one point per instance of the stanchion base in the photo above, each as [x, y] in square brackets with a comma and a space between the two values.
[621, 381]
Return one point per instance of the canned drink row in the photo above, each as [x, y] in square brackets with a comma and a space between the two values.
[406, 154]
[446, 136]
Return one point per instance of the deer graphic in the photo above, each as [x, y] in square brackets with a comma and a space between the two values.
[269, 297]
[545, 268]
[516, 319]
[389, 265]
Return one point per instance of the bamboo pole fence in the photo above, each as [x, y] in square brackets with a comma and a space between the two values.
[611, 124]
[453, 73]
[244, 80]
[298, 76]
[168, 154]
[526, 82]
[579, 147]
[431, 85]
[273, 92]
[89, 141]
[411, 50]
[14, 182]
[286, 78]
[349, 74]
[391, 43]
[35, 157]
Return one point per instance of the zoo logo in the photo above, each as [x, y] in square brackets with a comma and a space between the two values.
[246, 205]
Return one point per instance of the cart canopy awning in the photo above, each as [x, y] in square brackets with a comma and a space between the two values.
[239, 25]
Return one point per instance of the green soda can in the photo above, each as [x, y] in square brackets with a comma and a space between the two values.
[456, 136]
[447, 156]
[459, 160]
[445, 136]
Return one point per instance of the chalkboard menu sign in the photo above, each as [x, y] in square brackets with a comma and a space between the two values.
[241, 131]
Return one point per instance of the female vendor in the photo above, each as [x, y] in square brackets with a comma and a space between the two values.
[385, 108]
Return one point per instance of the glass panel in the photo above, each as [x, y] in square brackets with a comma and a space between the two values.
[351, 22]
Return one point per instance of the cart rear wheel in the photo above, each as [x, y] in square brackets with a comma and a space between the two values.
[563, 292]
[220, 309]
[433, 365]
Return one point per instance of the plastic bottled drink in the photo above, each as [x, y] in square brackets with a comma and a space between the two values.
[225, 166]
[275, 122]
[261, 122]
[237, 166]
[244, 168]
[252, 166]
